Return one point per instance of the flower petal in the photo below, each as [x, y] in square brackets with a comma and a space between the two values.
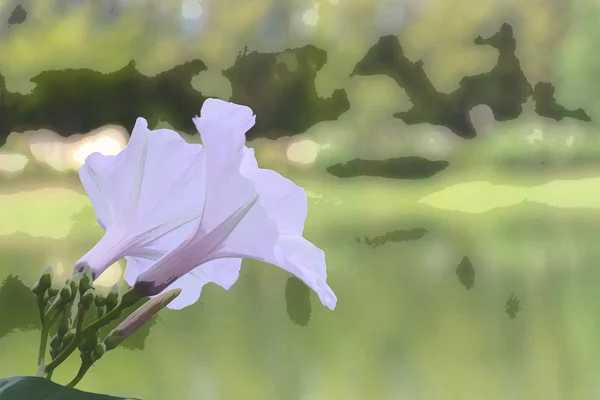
[233, 222]
[224, 272]
[108, 179]
[284, 201]
[137, 212]
[222, 127]
[303, 259]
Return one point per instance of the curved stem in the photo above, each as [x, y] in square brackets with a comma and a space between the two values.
[80, 374]
[130, 297]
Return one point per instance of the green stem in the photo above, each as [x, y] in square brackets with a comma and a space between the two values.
[43, 343]
[80, 374]
[129, 299]
[43, 336]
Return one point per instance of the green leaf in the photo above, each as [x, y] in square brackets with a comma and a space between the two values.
[36, 388]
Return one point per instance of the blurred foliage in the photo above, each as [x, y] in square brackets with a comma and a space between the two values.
[402, 235]
[576, 68]
[402, 318]
[504, 89]
[466, 273]
[297, 299]
[395, 168]
[24, 317]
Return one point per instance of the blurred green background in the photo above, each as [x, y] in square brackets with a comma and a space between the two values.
[520, 202]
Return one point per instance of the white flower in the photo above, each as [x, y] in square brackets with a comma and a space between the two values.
[186, 214]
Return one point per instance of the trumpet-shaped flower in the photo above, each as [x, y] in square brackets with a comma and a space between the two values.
[184, 215]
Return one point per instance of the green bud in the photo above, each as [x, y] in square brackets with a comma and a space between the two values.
[146, 312]
[113, 340]
[65, 294]
[46, 279]
[88, 344]
[73, 286]
[70, 335]
[37, 289]
[85, 281]
[40, 287]
[87, 298]
[99, 300]
[100, 350]
[52, 292]
[112, 299]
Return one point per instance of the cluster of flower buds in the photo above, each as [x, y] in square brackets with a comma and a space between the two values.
[66, 308]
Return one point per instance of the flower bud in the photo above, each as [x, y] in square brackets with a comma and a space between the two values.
[65, 294]
[99, 350]
[85, 281]
[37, 289]
[88, 344]
[73, 287]
[113, 340]
[70, 335]
[44, 283]
[46, 279]
[87, 298]
[112, 299]
[52, 292]
[139, 317]
[99, 300]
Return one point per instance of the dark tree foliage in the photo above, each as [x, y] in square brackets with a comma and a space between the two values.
[74, 101]
[284, 99]
[504, 88]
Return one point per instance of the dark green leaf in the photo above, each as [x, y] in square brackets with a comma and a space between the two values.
[36, 388]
